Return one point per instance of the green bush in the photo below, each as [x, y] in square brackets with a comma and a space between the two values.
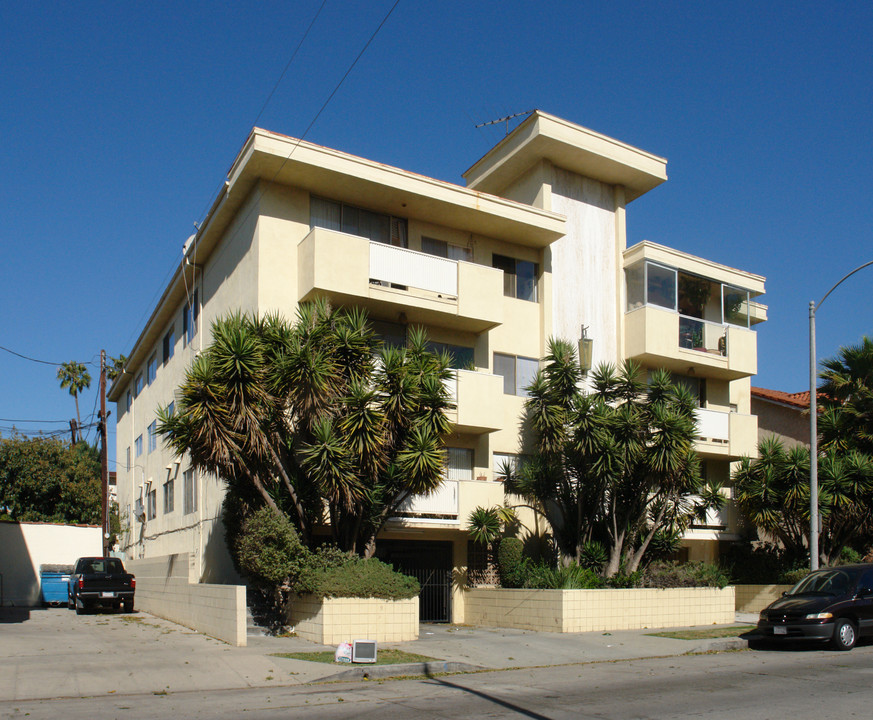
[664, 574]
[268, 550]
[572, 577]
[761, 564]
[511, 562]
[356, 577]
[792, 577]
[593, 555]
[849, 556]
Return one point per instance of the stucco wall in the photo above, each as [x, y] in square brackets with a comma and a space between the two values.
[589, 610]
[165, 588]
[25, 546]
[789, 425]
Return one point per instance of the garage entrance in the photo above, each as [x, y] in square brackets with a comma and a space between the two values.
[431, 564]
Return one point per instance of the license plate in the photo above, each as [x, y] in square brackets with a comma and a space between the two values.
[780, 631]
[107, 594]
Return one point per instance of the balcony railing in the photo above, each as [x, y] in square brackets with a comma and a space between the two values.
[391, 265]
[702, 335]
[442, 503]
[713, 425]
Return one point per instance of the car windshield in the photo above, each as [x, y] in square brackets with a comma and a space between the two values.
[824, 582]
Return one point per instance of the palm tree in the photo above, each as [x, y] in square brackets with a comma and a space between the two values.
[314, 420]
[75, 376]
[847, 403]
[615, 465]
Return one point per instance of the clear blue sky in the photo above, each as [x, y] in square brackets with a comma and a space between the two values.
[120, 120]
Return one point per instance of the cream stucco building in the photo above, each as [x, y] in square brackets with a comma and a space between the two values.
[534, 246]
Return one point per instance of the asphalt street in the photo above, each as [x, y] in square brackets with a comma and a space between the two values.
[744, 685]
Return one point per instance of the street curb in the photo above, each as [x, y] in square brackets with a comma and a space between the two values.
[372, 672]
[722, 645]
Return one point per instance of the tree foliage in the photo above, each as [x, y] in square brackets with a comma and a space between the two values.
[846, 421]
[49, 480]
[316, 420]
[74, 376]
[615, 465]
[773, 491]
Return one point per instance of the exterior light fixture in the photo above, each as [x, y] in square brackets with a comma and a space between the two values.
[586, 349]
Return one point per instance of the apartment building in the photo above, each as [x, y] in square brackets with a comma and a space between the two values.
[534, 246]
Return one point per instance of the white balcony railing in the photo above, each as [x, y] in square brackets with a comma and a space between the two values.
[398, 266]
[713, 424]
[443, 501]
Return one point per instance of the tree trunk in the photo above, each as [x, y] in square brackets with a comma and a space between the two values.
[304, 525]
[615, 551]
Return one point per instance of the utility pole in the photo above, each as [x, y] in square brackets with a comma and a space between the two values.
[73, 428]
[104, 469]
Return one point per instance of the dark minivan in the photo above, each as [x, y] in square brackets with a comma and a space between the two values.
[832, 604]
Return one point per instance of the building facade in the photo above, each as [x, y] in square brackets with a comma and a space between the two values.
[533, 247]
[782, 415]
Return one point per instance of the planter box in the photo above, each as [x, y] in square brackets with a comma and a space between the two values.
[329, 621]
[754, 598]
[589, 610]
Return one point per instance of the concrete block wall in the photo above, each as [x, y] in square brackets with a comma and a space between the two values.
[164, 588]
[330, 621]
[590, 610]
[754, 598]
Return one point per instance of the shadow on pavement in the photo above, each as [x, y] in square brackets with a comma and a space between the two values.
[485, 696]
[14, 614]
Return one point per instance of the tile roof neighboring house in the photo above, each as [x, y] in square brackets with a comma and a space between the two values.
[798, 400]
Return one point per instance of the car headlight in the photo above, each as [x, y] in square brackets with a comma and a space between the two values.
[818, 616]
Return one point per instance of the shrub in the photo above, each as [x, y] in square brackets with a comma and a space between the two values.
[593, 555]
[268, 550]
[356, 577]
[572, 577]
[755, 565]
[511, 562]
[663, 574]
[792, 577]
[849, 556]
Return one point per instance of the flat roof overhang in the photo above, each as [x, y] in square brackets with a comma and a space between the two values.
[339, 176]
[569, 146]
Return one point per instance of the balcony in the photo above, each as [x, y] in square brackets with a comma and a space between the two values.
[428, 290]
[657, 337]
[441, 506]
[726, 435]
[478, 398]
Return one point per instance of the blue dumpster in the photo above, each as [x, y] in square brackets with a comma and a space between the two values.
[54, 580]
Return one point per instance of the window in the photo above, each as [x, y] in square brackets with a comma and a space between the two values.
[189, 488]
[190, 314]
[735, 306]
[441, 248]
[517, 372]
[128, 403]
[152, 504]
[171, 408]
[138, 446]
[459, 463]
[153, 436]
[519, 277]
[137, 386]
[127, 463]
[169, 496]
[503, 462]
[460, 357]
[356, 221]
[152, 368]
[169, 345]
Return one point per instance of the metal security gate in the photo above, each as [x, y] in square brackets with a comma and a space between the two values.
[431, 564]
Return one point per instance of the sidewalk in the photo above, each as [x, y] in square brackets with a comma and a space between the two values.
[55, 653]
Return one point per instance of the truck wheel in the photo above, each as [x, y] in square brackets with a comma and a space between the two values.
[128, 606]
[70, 603]
[81, 610]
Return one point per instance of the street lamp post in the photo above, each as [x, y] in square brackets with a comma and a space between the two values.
[813, 425]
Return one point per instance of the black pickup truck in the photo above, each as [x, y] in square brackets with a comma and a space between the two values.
[100, 581]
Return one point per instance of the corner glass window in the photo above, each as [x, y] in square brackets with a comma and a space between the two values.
[735, 305]
[635, 278]
[519, 277]
[660, 286]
